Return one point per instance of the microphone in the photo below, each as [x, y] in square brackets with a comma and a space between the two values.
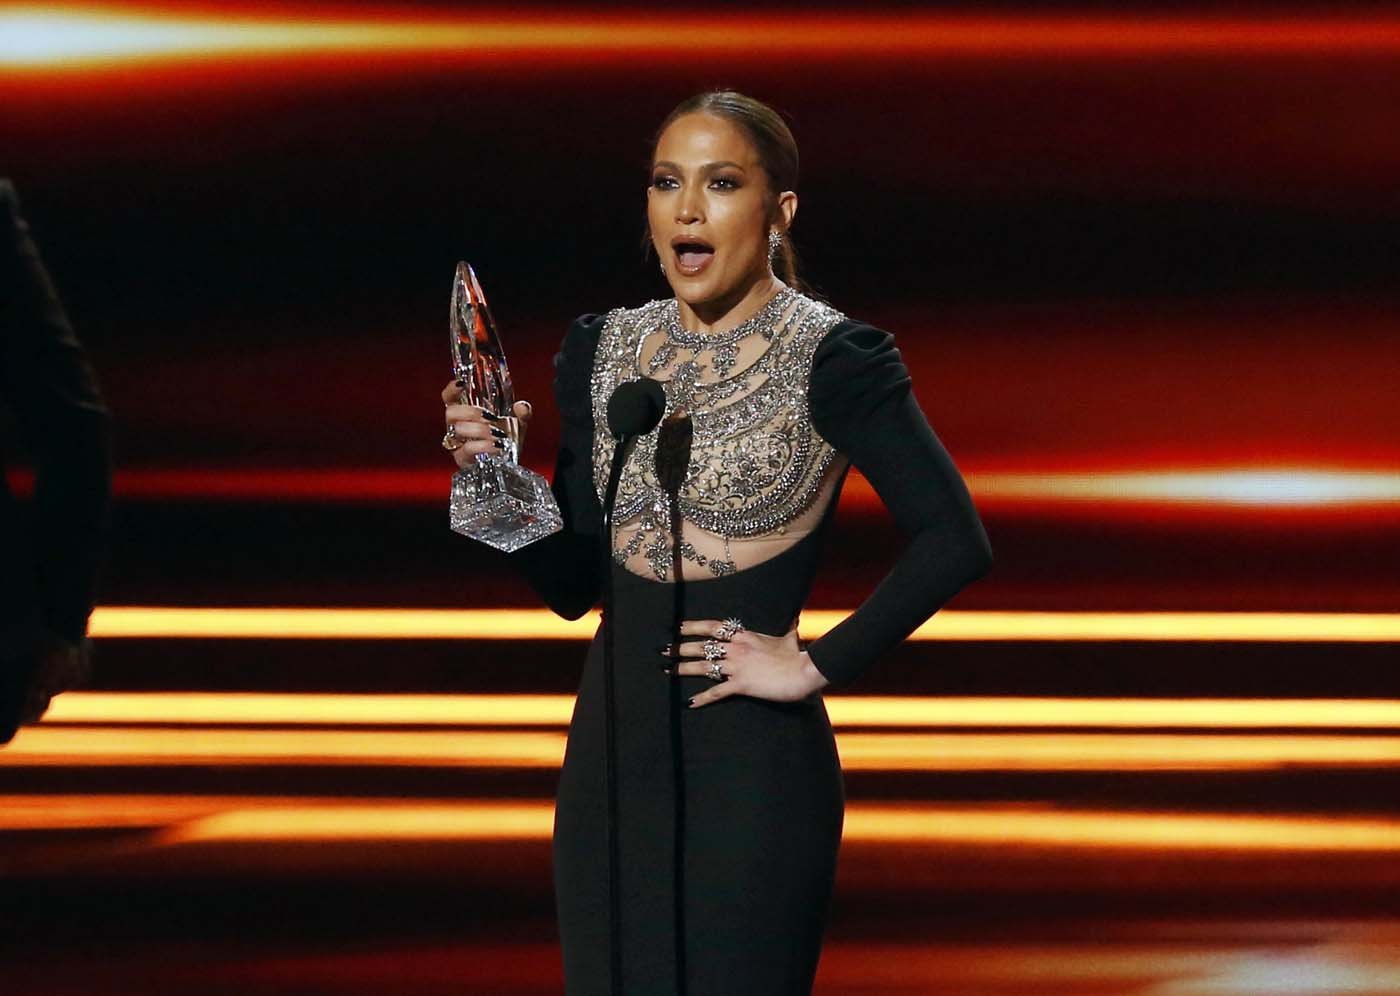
[634, 408]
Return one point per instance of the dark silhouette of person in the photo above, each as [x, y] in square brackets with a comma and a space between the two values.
[51, 549]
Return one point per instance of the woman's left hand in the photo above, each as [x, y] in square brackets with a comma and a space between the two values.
[766, 667]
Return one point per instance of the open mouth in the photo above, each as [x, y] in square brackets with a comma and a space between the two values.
[692, 254]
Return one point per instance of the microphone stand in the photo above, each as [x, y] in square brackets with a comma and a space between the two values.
[633, 410]
[673, 445]
[621, 444]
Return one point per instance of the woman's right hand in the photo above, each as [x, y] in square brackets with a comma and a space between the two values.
[478, 432]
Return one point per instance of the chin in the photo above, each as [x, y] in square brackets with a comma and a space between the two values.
[693, 293]
[696, 292]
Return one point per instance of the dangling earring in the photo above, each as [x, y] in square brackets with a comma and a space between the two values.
[775, 241]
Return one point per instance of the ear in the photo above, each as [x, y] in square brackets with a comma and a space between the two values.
[787, 207]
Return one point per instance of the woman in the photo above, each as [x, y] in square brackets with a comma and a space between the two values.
[731, 793]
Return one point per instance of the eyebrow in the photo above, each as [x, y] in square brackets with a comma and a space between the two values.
[707, 168]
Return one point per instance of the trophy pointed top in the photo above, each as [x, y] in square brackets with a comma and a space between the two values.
[477, 357]
[471, 316]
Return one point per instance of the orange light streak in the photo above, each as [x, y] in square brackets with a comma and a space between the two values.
[1299, 488]
[892, 711]
[187, 820]
[250, 819]
[1017, 826]
[1002, 826]
[42, 746]
[162, 622]
[93, 746]
[73, 812]
[155, 622]
[44, 39]
[1274, 487]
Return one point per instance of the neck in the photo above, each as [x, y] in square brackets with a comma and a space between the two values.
[733, 309]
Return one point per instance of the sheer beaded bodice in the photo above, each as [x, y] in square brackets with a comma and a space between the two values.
[736, 455]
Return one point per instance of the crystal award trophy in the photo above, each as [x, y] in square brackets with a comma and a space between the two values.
[494, 499]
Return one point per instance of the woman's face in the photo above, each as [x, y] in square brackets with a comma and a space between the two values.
[707, 207]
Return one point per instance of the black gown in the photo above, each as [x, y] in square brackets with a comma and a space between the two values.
[730, 815]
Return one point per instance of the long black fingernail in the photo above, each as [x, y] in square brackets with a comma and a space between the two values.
[498, 444]
[665, 648]
[690, 701]
[461, 383]
[491, 415]
[497, 433]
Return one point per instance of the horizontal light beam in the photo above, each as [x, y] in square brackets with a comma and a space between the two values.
[281, 623]
[1001, 826]
[1299, 488]
[893, 711]
[184, 820]
[92, 747]
[37, 36]
[1275, 487]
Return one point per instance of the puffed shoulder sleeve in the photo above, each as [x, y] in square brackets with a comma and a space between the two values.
[573, 367]
[564, 568]
[861, 400]
[856, 370]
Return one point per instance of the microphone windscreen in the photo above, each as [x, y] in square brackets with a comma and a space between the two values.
[635, 407]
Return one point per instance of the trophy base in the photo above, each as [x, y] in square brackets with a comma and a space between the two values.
[502, 504]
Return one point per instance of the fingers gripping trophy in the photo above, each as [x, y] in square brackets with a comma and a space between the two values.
[494, 499]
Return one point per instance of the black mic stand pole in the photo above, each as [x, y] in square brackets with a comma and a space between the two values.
[620, 446]
[634, 409]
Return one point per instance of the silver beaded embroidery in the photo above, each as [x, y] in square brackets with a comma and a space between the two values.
[755, 464]
[723, 346]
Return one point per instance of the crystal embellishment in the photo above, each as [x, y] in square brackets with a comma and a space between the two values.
[723, 345]
[756, 461]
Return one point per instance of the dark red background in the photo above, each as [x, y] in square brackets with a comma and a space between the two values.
[1093, 262]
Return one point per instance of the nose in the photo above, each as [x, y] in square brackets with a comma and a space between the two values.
[688, 206]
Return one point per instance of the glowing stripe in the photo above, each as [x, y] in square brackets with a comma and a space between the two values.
[1299, 487]
[250, 819]
[1000, 826]
[117, 622]
[44, 746]
[1010, 826]
[270, 708]
[42, 37]
[149, 622]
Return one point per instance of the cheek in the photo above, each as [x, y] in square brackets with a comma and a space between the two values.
[743, 227]
[742, 244]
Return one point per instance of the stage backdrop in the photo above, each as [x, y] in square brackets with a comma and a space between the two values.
[1140, 261]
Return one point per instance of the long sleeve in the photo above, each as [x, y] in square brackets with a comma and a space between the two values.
[861, 402]
[47, 384]
[565, 569]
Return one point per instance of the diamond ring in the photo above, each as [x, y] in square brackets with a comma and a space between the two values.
[449, 439]
[715, 671]
[728, 628]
